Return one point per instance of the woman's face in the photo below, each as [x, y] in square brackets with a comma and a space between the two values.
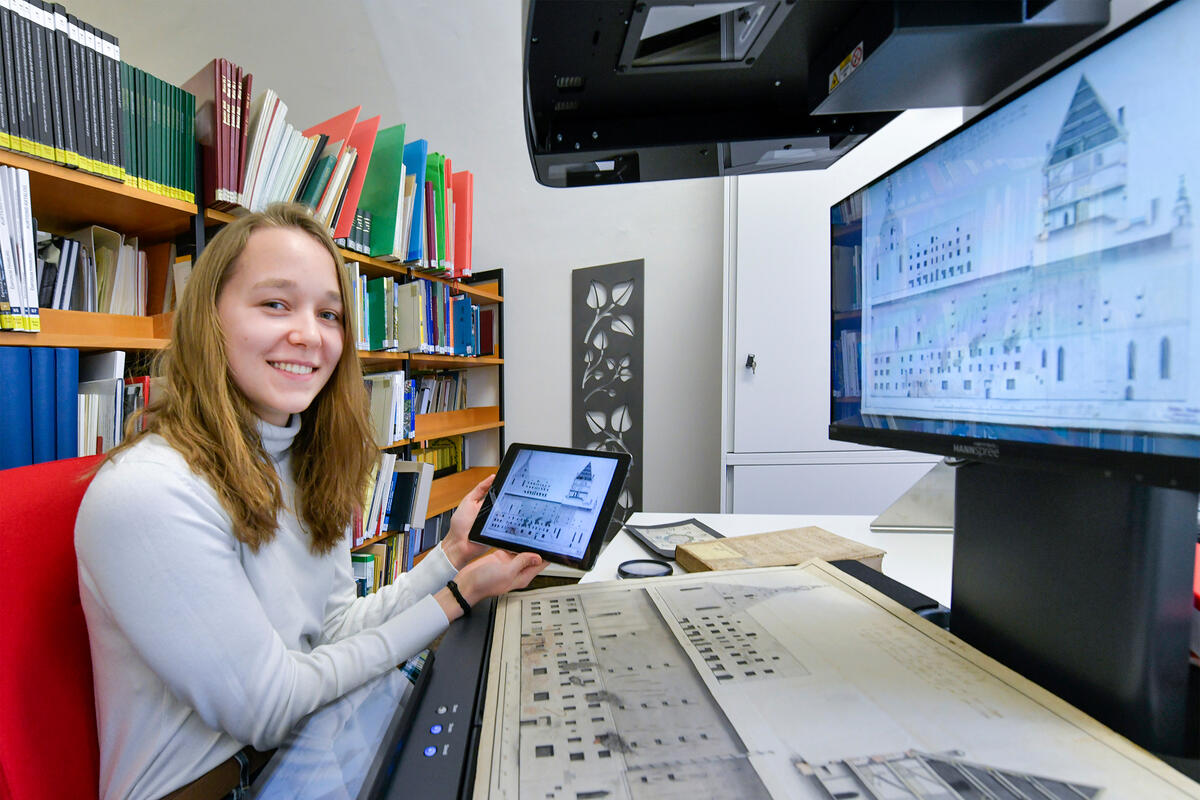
[281, 311]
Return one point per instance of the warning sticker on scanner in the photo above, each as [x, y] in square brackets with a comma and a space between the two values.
[850, 63]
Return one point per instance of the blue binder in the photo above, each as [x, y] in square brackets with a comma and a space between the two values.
[415, 155]
[42, 402]
[66, 402]
[16, 412]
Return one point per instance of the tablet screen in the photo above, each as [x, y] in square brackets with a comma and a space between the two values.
[553, 501]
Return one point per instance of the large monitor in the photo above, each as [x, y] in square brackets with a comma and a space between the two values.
[1025, 295]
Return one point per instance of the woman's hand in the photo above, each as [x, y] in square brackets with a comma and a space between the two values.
[491, 576]
[456, 546]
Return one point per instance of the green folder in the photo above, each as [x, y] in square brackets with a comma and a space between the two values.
[383, 193]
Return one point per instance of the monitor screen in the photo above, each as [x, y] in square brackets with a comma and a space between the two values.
[1028, 287]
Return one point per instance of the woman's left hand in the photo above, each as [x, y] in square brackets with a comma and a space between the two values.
[456, 546]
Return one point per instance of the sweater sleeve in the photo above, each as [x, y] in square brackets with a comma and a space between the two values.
[156, 550]
[347, 614]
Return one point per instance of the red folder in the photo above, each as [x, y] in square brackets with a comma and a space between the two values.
[464, 191]
[338, 129]
[362, 139]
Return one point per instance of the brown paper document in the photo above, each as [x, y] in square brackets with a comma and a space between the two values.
[774, 549]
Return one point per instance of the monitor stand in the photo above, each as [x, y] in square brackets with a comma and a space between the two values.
[1082, 583]
[927, 507]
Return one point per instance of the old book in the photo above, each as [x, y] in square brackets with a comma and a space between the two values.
[774, 549]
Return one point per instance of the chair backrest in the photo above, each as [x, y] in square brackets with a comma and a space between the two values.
[48, 742]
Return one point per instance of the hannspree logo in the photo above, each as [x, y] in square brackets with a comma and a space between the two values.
[979, 449]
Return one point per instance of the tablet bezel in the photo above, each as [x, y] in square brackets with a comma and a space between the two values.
[603, 519]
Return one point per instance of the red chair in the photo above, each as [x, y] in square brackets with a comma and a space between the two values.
[48, 742]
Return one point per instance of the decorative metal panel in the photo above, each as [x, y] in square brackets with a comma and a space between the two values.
[607, 374]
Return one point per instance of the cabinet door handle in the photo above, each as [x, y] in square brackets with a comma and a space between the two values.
[751, 364]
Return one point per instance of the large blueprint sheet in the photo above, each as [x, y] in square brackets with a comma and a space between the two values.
[795, 682]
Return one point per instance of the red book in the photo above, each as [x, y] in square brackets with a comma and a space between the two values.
[338, 129]
[487, 325]
[244, 120]
[206, 86]
[464, 190]
[362, 139]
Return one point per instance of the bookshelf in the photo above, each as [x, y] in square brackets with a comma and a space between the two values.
[66, 199]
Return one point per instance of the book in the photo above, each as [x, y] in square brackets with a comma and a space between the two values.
[383, 193]
[42, 404]
[16, 411]
[215, 98]
[415, 158]
[464, 200]
[362, 140]
[338, 129]
[422, 485]
[66, 404]
[314, 185]
[774, 549]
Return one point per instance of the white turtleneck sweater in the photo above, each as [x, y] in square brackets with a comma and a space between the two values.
[200, 645]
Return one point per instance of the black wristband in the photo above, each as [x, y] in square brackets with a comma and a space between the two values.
[462, 601]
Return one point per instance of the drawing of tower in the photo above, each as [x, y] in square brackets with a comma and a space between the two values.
[581, 488]
[1085, 173]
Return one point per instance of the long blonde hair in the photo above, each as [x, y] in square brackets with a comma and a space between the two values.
[201, 412]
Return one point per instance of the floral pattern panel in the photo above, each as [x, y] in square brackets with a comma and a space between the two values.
[607, 373]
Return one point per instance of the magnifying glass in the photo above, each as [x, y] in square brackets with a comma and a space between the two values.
[643, 568]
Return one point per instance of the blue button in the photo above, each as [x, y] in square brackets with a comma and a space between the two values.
[435, 729]
[430, 751]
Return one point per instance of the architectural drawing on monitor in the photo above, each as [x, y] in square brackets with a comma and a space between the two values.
[1087, 312]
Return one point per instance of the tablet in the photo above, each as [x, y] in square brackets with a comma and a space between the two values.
[553, 501]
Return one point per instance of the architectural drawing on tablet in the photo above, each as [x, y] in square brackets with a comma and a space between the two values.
[771, 683]
[552, 500]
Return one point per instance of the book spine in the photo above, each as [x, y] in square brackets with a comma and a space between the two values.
[45, 19]
[24, 236]
[16, 412]
[111, 49]
[128, 124]
[79, 94]
[189, 146]
[142, 102]
[20, 61]
[100, 157]
[66, 411]
[62, 72]
[87, 59]
[43, 129]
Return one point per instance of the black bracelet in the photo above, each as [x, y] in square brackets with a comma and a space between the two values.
[462, 601]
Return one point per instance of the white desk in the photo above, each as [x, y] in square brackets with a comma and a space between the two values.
[921, 561]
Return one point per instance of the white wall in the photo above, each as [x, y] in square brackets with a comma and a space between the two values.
[451, 70]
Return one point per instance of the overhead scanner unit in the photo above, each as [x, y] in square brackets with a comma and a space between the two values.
[620, 92]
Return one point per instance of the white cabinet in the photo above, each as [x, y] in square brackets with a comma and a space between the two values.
[778, 457]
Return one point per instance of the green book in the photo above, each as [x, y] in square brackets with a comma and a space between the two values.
[311, 194]
[435, 173]
[383, 193]
[377, 298]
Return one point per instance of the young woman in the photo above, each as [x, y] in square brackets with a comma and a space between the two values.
[214, 564]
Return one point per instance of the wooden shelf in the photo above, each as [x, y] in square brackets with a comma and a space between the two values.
[453, 423]
[449, 491]
[90, 331]
[66, 199]
[423, 361]
[382, 358]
